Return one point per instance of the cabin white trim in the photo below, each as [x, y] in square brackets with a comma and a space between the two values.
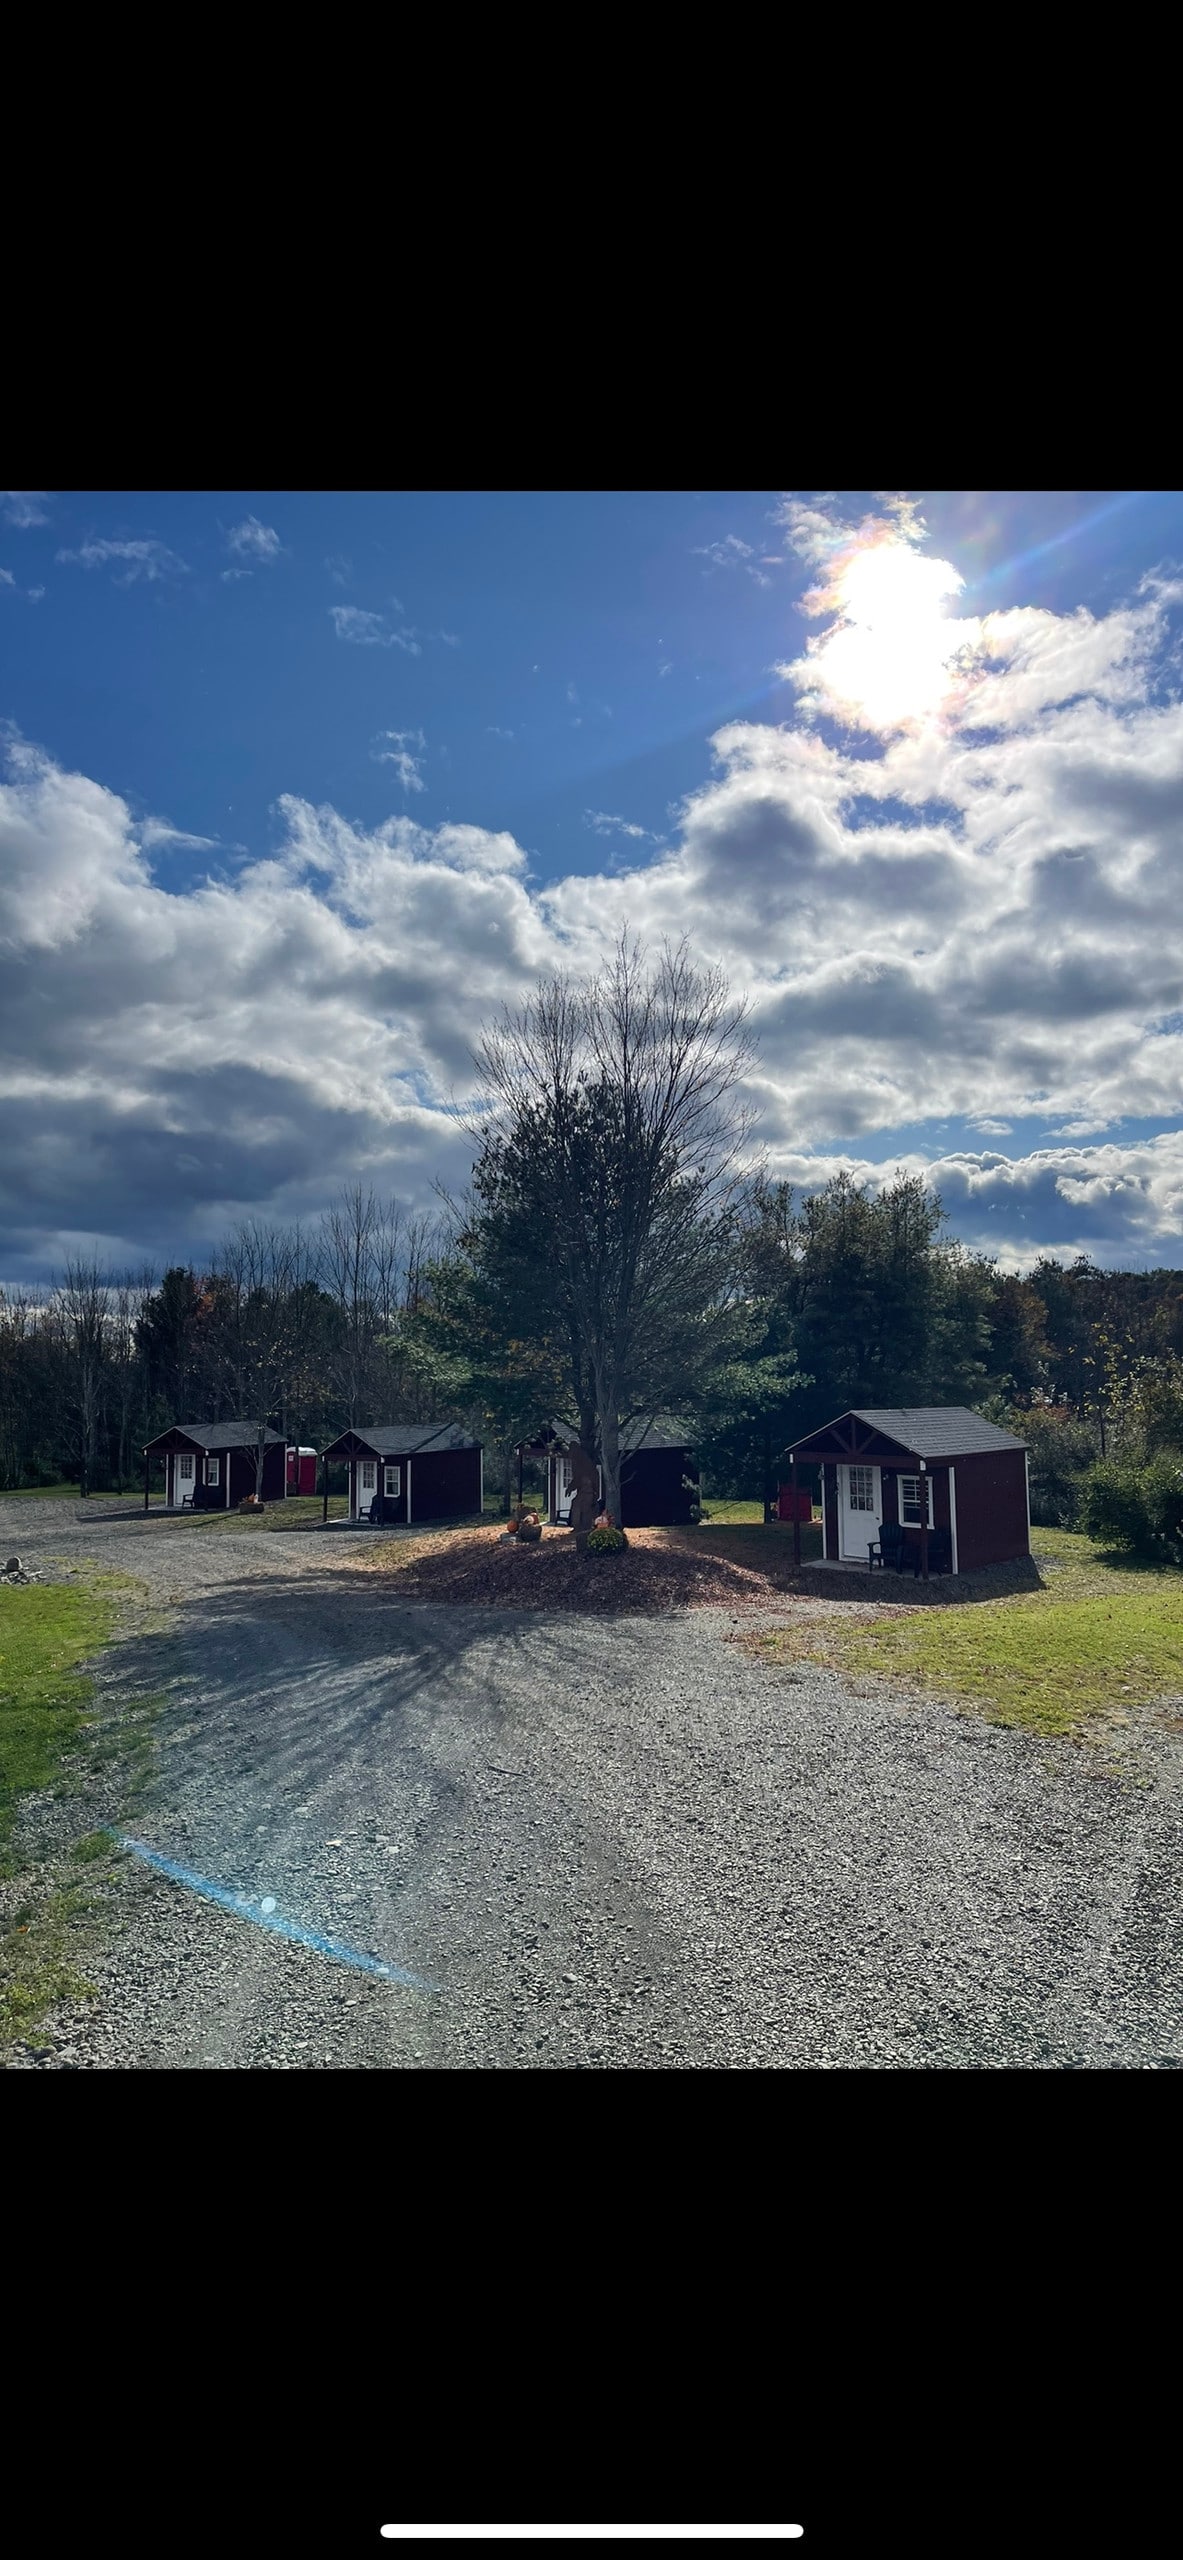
[953, 1512]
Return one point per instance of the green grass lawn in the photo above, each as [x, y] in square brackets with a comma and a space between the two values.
[300, 1511]
[39, 1492]
[46, 1632]
[1100, 1638]
[743, 1515]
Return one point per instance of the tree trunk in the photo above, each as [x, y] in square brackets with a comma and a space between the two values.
[610, 1458]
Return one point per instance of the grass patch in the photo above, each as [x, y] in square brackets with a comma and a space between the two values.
[300, 1511]
[38, 1492]
[46, 1630]
[736, 1515]
[39, 1962]
[93, 1844]
[1100, 1638]
[47, 1719]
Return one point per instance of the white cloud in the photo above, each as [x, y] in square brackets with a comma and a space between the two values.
[24, 507]
[254, 541]
[492, 731]
[369, 630]
[6, 578]
[956, 919]
[732, 553]
[146, 559]
[606, 825]
[157, 831]
[396, 747]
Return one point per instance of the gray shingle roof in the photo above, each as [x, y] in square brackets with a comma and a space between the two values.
[407, 1439]
[665, 1431]
[218, 1435]
[926, 1430]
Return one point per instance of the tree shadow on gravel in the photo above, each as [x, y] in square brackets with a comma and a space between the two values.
[329, 1688]
[662, 1570]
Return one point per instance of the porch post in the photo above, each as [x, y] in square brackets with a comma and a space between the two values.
[519, 1479]
[924, 1498]
[796, 1518]
[408, 1493]
[324, 1469]
[147, 1463]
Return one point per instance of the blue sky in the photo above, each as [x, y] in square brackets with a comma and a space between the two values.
[300, 775]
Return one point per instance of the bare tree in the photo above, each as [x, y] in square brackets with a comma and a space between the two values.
[604, 1179]
[128, 1295]
[261, 1277]
[81, 1305]
[364, 1256]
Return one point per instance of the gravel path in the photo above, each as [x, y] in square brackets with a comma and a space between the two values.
[612, 1843]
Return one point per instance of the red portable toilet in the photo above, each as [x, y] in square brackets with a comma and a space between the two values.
[301, 1470]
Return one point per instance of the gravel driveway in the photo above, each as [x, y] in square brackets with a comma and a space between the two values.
[607, 1844]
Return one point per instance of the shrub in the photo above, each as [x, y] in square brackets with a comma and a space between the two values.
[1060, 1452]
[605, 1542]
[1137, 1508]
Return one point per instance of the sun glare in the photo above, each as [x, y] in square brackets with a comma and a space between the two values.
[891, 657]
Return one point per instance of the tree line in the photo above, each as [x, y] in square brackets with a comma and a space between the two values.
[289, 1328]
[616, 1256]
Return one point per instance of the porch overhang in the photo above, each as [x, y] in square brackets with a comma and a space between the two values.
[849, 1439]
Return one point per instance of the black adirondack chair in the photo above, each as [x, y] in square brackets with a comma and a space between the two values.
[888, 1547]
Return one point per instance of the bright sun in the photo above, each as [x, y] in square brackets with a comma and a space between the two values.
[889, 659]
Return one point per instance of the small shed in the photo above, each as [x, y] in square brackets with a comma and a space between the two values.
[658, 1475]
[937, 1470]
[408, 1471]
[301, 1470]
[211, 1465]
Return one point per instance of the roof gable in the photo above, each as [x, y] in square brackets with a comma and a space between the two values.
[928, 1431]
[664, 1431]
[407, 1439]
[217, 1435]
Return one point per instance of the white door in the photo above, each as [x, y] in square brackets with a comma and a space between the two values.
[860, 1511]
[564, 1488]
[185, 1479]
[367, 1483]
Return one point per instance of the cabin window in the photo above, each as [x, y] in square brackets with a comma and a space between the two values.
[185, 1468]
[913, 1490]
[369, 1474]
[213, 1470]
[862, 1488]
[394, 1483]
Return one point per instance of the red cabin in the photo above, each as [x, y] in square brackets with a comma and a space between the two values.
[301, 1470]
[933, 1485]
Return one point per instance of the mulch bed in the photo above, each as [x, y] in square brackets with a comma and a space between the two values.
[660, 1569]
